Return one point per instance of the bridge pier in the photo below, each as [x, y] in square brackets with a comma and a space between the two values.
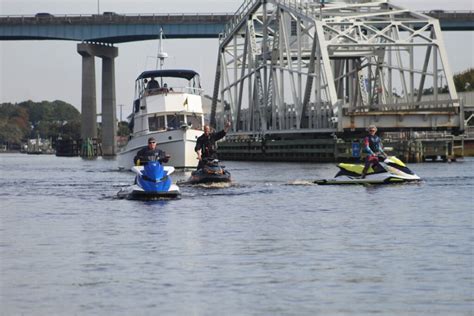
[88, 103]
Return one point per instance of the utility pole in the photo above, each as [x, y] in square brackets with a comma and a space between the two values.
[98, 6]
[121, 106]
[321, 6]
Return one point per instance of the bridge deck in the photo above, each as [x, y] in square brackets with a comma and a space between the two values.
[115, 28]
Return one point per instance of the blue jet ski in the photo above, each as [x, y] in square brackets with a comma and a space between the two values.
[152, 182]
[211, 172]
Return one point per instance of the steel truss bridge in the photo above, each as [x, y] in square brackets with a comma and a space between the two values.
[297, 66]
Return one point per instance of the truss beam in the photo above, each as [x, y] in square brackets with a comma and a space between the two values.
[294, 64]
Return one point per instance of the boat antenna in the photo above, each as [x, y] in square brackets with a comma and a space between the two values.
[161, 54]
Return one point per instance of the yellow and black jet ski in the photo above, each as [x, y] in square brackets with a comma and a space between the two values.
[390, 170]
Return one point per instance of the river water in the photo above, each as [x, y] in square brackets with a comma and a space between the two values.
[270, 244]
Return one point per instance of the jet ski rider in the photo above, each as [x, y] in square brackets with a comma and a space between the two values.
[150, 153]
[373, 148]
[206, 144]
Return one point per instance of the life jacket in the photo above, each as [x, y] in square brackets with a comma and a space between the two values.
[373, 142]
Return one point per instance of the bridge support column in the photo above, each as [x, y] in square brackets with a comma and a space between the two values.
[88, 100]
[89, 109]
[109, 112]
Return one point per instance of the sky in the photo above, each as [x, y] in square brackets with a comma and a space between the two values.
[51, 70]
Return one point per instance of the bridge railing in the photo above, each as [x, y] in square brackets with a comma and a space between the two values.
[450, 15]
[238, 16]
[170, 90]
[421, 106]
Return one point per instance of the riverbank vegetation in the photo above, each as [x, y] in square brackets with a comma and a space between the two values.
[464, 81]
[28, 119]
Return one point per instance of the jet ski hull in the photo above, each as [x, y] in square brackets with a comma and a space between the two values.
[152, 182]
[134, 192]
[198, 177]
[348, 180]
[211, 172]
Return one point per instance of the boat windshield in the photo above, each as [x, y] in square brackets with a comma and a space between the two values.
[168, 81]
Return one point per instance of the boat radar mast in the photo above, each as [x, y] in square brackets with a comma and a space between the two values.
[161, 54]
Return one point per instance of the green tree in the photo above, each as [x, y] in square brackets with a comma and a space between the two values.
[123, 129]
[464, 81]
[14, 124]
[71, 129]
[10, 133]
[48, 119]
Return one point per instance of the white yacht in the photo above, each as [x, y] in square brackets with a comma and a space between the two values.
[168, 107]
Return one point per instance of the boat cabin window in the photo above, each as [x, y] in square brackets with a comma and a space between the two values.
[194, 121]
[156, 123]
[175, 121]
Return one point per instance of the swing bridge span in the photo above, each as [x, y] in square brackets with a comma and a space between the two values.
[298, 78]
[299, 66]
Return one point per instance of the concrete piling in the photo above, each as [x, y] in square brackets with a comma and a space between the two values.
[88, 103]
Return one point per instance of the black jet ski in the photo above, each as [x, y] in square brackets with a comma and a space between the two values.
[211, 172]
[388, 170]
[152, 182]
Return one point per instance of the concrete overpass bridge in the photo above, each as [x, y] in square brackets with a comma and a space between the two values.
[112, 28]
[97, 35]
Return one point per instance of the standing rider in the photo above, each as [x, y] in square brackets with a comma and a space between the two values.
[206, 144]
[373, 148]
[150, 153]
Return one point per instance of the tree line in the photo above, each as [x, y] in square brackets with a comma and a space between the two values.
[49, 120]
[28, 119]
[464, 81]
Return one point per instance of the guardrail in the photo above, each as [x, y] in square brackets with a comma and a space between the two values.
[114, 18]
[171, 90]
[47, 15]
[432, 106]
[238, 16]
[450, 14]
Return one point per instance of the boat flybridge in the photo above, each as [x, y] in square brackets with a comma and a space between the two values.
[168, 107]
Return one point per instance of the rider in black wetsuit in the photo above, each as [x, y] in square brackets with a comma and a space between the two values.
[206, 144]
[146, 153]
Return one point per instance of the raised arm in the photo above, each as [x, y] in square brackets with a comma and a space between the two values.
[222, 133]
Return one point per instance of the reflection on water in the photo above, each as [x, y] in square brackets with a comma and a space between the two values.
[270, 243]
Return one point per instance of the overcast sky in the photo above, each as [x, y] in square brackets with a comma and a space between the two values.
[51, 70]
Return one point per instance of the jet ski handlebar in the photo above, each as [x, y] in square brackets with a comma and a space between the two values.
[152, 158]
[156, 157]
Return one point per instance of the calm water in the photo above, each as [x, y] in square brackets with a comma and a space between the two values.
[271, 244]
